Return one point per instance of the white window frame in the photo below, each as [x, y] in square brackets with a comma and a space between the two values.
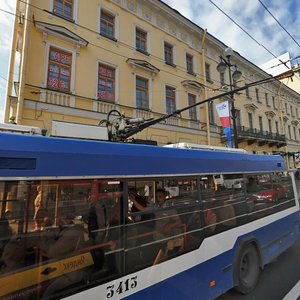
[75, 11]
[174, 51]
[176, 96]
[73, 65]
[149, 90]
[117, 21]
[137, 26]
[211, 73]
[197, 110]
[117, 98]
[194, 61]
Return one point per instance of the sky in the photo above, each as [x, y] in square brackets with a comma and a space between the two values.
[270, 38]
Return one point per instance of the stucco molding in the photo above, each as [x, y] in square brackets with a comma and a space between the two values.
[61, 33]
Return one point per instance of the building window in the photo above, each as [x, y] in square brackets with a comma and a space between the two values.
[286, 108]
[247, 91]
[189, 64]
[170, 99]
[260, 121]
[289, 130]
[270, 125]
[274, 102]
[59, 70]
[207, 72]
[222, 79]
[295, 136]
[297, 116]
[192, 111]
[291, 110]
[169, 59]
[211, 114]
[107, 24]
[250, 120]
[141, 40]
[277, 127]
[106, 83]
[63, 8]
[267, 99]
[142, 92]
[257, 95]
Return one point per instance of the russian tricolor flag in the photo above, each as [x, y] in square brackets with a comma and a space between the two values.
[224, 115]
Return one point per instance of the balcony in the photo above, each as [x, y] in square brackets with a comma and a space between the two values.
[260, 137]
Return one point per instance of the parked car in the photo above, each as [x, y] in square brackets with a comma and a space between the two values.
[229, 181]
[269, 192]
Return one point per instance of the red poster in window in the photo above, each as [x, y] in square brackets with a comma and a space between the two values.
[101, 94]
[109, 96]
[101, 82]
[55, 55]
[53, 69]
[64, 72]
[53, 82]
[61, 84]
[65, 59]
[102, 71]
[109, 73]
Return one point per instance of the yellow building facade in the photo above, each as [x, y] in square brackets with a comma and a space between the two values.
[79, 61]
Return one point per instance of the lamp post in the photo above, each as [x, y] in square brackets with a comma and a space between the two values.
[236, 75]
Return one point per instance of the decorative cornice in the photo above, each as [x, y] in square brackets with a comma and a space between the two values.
[61, 32]
[270, 114]
[193, 84]
[295, 122]
[251, 107]
[142, 64]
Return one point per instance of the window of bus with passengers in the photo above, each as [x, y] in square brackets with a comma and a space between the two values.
[268, 193]
[57, 236]
[159, 212]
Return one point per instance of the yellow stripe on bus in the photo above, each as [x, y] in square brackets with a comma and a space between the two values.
[15, 282]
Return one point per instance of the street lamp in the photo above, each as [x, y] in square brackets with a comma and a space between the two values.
[236, 75]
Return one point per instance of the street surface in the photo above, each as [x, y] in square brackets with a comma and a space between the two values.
[278, 278]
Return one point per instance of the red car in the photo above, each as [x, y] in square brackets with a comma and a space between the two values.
[269, 192]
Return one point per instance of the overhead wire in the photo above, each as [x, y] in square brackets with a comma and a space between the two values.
[161, 60]
[84, 27]
[246, 32]
[265, 7]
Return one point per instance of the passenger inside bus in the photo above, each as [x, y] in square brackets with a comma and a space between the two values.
[5, 233]
[251, 185]
[13, 256]
[97, 222]
[194, 226]
[38, 208]
[141, 208]
[167, 225]
[70, 239]
[224, 211]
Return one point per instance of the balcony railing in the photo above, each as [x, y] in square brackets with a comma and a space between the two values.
[259, 134]
[254, 135]
[57, 98]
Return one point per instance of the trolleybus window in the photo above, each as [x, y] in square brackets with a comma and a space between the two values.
[48, 231]
[268, 194]
[69, 234]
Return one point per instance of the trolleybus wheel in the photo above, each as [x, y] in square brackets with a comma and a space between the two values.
[247, 269]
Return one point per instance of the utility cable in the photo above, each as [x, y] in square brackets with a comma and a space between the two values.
[97, 46]
[247, 33]
[264, 6]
